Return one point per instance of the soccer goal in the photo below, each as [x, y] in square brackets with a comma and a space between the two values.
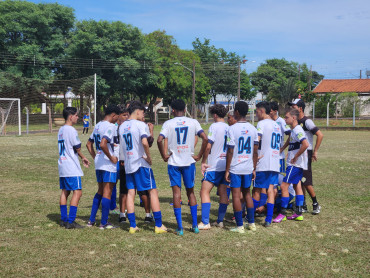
[10, 116]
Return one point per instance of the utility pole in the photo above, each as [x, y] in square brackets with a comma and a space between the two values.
[309, 79]
[238, 81]
[360, 74]
[194, 110]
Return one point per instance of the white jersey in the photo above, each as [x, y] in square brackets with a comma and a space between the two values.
[68, 162]
[217, 136]
[131, 133]
[269, 146]
[296, 138]
[310, 129]
[107, 130]
[242, 137]
[285, 130]
[180, 132]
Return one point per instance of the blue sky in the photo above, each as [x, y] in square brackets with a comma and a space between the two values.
[332, 36]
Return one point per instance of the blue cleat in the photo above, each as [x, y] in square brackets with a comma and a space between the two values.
[195, 230]
[180, 232]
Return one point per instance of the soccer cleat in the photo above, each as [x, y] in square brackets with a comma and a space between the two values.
[180, 232]
[115, 211]
[148, 219]
[257, 214]
[316, 208]
[297, 217]
[160, 230]
[122, 219]
[63, 224]
[133, 230]
[279, 218]
[239, 230]
[218, 225]
[203, 226]
[267, 224]
[74, 225]
[304, 208]
[90, 224]
[251, 227]
[107, 226]
[195, 230]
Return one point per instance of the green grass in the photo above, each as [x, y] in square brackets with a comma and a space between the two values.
[334, 243]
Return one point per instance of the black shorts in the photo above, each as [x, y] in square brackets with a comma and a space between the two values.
[307, 174]
[122, 179]
[143, 193]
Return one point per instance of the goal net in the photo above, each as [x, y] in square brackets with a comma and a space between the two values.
[10, 116]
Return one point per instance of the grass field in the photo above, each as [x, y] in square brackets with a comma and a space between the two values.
[334, 243]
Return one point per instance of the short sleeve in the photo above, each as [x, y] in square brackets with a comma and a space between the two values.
[164, 130]
[259, 129]
[311, 126]
[301, 135]
[110, 133]
[143, 130]
[75, 141]
[285, 128]
[255, 139]
[230, 139]
[211, 135]
[198, 128]
[91, 138]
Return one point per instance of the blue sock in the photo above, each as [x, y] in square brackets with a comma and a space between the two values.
[221, 212]
[177, 212]
[131, 218]
[95, 206]
[284, 202]
[113, 198]
[263, 200]
[255, 203]
[158, 218]
[63, 213]
[228, 191]
[299, 199]
[194, 215]
[270, 212]
[105, 203]
[206, 209]
[238, 218]
[250, 215]
[72, 214]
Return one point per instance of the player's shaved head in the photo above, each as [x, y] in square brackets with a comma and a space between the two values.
[69, 111]
[112, 108]
[178, 105]
[294, 113]
[241, 107]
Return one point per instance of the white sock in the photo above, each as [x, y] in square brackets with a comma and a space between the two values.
[148, 215]
[122, 214]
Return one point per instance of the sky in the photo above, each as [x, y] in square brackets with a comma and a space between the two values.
[331, 35]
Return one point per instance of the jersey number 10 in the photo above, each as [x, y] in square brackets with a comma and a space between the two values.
[128, 141]
[62, 147]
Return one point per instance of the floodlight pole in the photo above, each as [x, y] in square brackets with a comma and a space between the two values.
[95, 99]
[238, 81]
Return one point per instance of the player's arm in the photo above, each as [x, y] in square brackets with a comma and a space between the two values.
[104, 148]
[319, 138]
[229, 156]
[286, 144]
[203, 147]
[161, 148]
[304, 146]
[151, 137]
[85, 161]
[90, 148]
[205, 157]
[255, 159]
[145, 143]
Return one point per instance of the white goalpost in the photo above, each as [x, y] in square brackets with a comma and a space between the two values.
[10, 115]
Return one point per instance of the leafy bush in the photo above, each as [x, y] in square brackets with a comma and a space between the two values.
[346, 101]
[321, 105]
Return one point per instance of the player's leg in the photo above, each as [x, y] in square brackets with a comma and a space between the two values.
[131, 210]
[97, 198]
[113, 198]
[76, 196]
[270, 205]
[235, 185]
[297, 215]
[188, 175]
[247, 197]
[122, 193]
[63, 205]
[107, 193]
[256, 196]
[284, 202]
[154, 202]
[223, 203]
[206, 204]
[308, 184]
[175, 183]
[262, 201]
[145, 197]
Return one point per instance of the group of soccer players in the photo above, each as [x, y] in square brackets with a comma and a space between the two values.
[234, 157]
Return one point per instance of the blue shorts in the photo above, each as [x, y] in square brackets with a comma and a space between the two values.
[70, 183]
[141, 180]
[237, 181]
[293, 175]
[187, 173]
[282, 166]
[216, 178]
[105, 176]
[265, 178]
[86, 125]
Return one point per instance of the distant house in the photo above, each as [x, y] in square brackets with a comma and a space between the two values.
[338, 86]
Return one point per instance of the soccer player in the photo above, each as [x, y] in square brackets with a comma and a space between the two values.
[105, 157]
[241, 160]
[268, 166]
[213, 170]
[230, 118]
[139, 174]
[297, 162]
[86, 120]
[70, 172]
[311, 129]
[181, 132]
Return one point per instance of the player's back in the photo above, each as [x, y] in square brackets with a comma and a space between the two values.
[131, 133]
[284, 129]
[269, 147]
[180, 132]
[68, 142]
[296, 137]
[217, 136]
[242, 136]
[107, 130]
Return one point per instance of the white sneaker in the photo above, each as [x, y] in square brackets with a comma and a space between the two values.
[202, 226]
[218, 225]
[251, 227]
[239, 230]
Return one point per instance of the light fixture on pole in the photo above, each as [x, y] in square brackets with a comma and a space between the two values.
[70, 96]
[193, 109]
